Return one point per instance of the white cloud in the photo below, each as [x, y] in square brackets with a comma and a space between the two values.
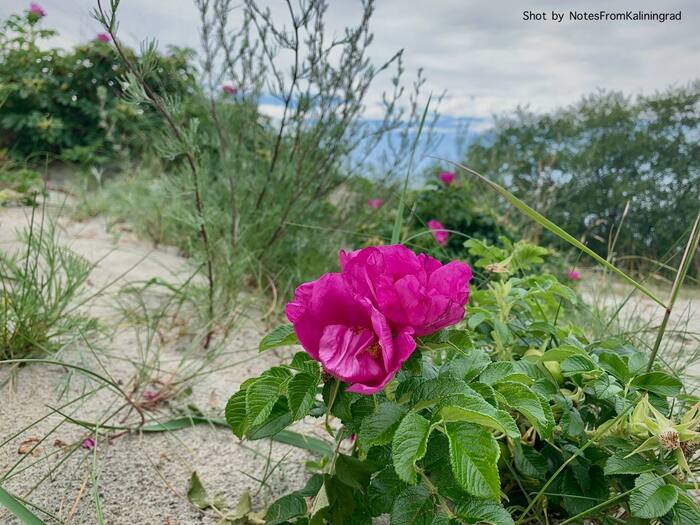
[486, 57]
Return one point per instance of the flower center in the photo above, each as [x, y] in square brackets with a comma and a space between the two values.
[374, 350]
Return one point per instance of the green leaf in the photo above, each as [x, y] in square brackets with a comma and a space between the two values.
[503, 371]
[685, 511]
[473, 409]
[378, 428]
[483, 511]
[383, 491]
[261, 396]
[530, 462]
[619, 463]
[281, 336]
[301, 394]
[197, 494]
[12, 504]
[556, 230]
[236, 414]
[434, 390]
[409, 445]
[658, 383]
[474, 455]
[279, 418]
[285, 508]
[312, 444]
[577, 364]
[653, 497]
[613, 364]
[535, 409]
[293, 505]
[415, 506]
[353, 472]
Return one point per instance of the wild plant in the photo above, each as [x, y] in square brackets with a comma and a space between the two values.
[42, 285]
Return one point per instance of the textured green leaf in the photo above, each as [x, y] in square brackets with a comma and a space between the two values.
[653, 497]
[285, 508]
[529, 461]
[236, 413]
[483, 511]
[261, 396]
[521, 398]
[436, 389]
[279, 418]
[409, 445]
[685, 511]
[293, 505]
[301, 393]
[658, 383]
[383, 491]
[414, 506]
[281, 336]
[619, 463]
[378, 428]
[474, 455]
[474, 409]
[577, 364]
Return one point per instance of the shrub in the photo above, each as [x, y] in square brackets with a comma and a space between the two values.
[68, 105]
[244, 190]
[456, 207]
[512, 415]
[607, 160]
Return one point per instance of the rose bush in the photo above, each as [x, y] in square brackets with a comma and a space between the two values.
[512, 415]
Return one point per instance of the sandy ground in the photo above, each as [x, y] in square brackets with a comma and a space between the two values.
[639, 316]
[141, 479]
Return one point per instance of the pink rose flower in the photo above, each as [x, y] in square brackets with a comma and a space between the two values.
[573, 275]
[375, 204]
[37, 10]
[439, 232]
[447, 177]
[347, 334]
[104, 37]
[410, 290]
[229, 89]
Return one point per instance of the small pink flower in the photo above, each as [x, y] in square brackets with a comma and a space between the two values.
[229, 89]
[375, 204]
[36, 10]
[150, 395]
[573, 275]
[89, 443]
[104, 37]
[447, 177]
[439, 232]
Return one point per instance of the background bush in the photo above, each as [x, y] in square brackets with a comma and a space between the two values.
[582, 164]
[68, 104]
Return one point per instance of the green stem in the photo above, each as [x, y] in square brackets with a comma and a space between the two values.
[683, 267]
[601, 431]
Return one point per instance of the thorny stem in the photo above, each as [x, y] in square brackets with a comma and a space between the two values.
[690, 250]
[154, 98]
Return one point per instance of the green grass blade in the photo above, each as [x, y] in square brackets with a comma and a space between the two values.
[556, 230]
[15, 507]
[396, 233]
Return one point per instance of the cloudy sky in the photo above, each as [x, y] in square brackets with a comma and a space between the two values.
[483, 53]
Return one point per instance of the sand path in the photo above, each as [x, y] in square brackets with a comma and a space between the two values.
[142, 479]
